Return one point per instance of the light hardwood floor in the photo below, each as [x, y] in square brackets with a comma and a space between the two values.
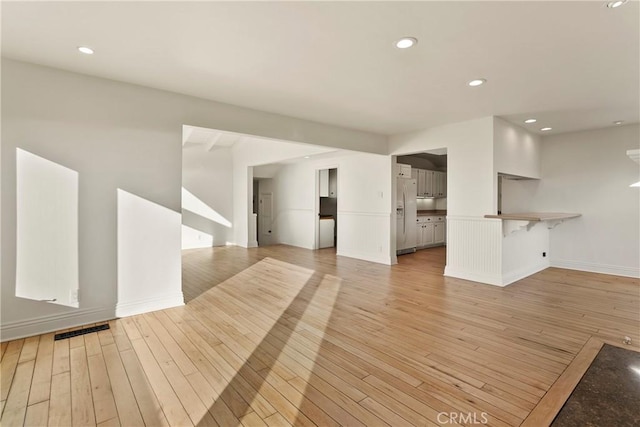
[282, 336]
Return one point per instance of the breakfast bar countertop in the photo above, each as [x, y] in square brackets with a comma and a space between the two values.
[535, 216]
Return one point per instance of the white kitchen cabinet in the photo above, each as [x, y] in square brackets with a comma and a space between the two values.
[327, 227]
[424, 232]
[428, 234]
[333, 183]
[324, 183]
[419, 227]
[440, 184]
[430, 231]
[439, 232]
[420, 176]
[430, 183]
[422, 184]
[403, 171]
[415, 175]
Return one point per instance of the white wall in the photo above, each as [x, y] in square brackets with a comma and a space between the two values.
[252, 152]
[148, 247]
[522, 252]
[590, 173]
[364, 204]
[47, 231]
[471, 194]
[516, 151]
[208, 176]
[115, 135]
[294, 205]
[470, 171]
[266, 171]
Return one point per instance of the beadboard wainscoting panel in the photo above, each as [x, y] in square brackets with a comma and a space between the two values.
[474, 249]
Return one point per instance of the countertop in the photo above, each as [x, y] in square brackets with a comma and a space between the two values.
[432, 213]
[535, 216]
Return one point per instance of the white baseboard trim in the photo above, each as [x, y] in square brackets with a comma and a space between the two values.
[295, 245]
[615, 270]
[487, 279]
[146, 305]
[379, 259]
[514, 276]
[55, 322]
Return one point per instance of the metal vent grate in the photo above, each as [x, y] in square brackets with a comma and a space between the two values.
[70, 334]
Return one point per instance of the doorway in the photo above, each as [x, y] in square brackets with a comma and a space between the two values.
[263, 208]
[327, 225]
[425, 205]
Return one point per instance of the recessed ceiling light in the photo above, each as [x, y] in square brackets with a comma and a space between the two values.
[617, 3]
[545, 129]
[618, 122]
[85, 50]
[477, 82]
[306, 157]
[528, 121]
[406, 42]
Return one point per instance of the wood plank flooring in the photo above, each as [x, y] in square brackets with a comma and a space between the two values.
[282, 336]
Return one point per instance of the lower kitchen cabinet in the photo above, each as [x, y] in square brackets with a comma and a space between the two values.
[438, 232]
[430, 231]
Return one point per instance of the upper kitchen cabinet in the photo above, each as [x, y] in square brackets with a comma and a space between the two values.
[333, 183]
[329, 183]
[324, 183]
[440, 187]
[430, 183]
[423, 179]
[403, 171]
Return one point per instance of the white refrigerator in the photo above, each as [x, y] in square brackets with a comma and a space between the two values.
[406, 215]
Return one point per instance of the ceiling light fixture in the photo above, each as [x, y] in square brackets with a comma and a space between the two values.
[618, 122]
[477, 82]
[85, 50]
[529, 121]
[617, 3]
[306, 157]
[406, 42]
[545, 129]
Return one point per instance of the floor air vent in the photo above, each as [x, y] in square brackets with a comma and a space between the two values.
[70, 334]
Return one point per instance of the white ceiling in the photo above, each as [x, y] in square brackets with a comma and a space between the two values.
[572, 65]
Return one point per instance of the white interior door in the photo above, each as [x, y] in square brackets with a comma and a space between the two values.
[265, 219]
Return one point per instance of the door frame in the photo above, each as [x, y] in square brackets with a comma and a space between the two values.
[316, 209]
